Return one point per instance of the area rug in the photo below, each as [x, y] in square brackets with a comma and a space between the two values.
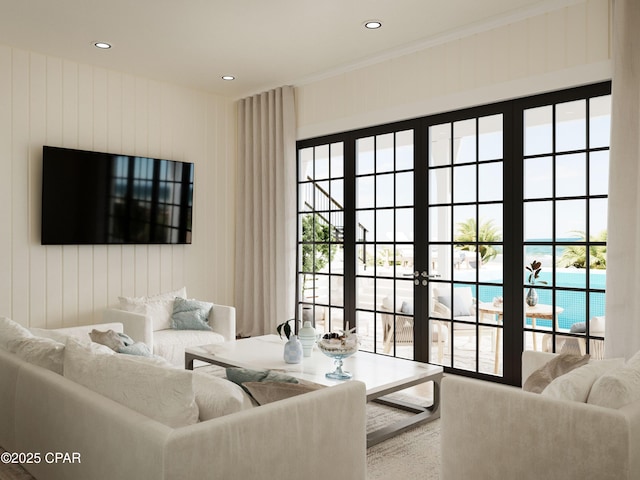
[414, 454]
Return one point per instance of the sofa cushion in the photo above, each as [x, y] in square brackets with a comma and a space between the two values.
[576, 384]
[44, 352]
[217, 396]
[267, 392]
[616, 388]
[189, 314]
[170, 343]
[10, 330]
[557, 366]
[158, 307]
[159, 392]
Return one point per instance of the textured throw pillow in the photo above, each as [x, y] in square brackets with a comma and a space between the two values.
[616, 388]
[139, 348]
[407, 307]
[10, 330]
[158, 307]
[44, 352]
[267, 392]
[216, 396]
[576, 384]
[111, 339]
[462, 301]
[190, 314]
[162, 393]
[557, 366]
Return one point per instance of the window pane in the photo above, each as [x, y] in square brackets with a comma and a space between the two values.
[384, 153]
[440, 145]
[491, 226]
[571, 175]
[440, 224]
[599, 173]
[464, 141]
[599, 121]
[384, 190]
[464, 184]
[490, 140]
[306, 163]
[364, 192]
[364, 156]
[337, 194]
[365, 225]
[384, 226]
[538, 136]
[322, 162]
[440, 185]
[571, 132]
[538, 175]
[337, 160]
[404, 189]
[404, 225]
[490, 182]
[404, 150]
[538, 223]
[598, 215]
[570, 218]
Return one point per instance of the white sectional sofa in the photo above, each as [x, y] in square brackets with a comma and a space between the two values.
[42, 411]
[492, 431]
[147, 320]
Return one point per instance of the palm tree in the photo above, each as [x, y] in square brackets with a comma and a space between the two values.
[488, 232]
[576, 255]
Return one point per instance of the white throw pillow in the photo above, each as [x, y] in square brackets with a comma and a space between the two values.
[159, 307]
[576, 384]
[616, 388]
[164, 394]
[52, 334]
[44, 352]
[10, 330]
[217, 396]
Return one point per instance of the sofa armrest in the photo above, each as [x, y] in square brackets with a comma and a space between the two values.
[222, 320]
[290, 439]
[137, 325]
[498, 431]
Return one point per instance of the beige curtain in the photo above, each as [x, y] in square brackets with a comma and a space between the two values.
[266, 227]
[623, 244]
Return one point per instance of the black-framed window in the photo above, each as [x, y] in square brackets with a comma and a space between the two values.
[497, 166]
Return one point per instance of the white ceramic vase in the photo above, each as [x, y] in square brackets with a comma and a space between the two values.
[293, 350]
[307, 336]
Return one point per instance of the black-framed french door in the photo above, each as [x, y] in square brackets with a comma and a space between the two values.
[418, 232]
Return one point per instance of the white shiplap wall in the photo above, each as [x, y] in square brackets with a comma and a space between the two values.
[51, 101]
[554, 49]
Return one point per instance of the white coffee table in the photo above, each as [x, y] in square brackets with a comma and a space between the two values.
[380, 373]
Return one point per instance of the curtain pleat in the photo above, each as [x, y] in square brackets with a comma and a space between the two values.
[622, 329]
[265, 225]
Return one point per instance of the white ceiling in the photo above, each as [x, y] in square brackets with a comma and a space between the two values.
[264, 43]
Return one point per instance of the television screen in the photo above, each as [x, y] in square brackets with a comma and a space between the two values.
[103, 198]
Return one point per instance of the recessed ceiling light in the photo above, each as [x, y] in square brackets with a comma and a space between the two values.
[102, 45]
[228, 77]
[372, 24]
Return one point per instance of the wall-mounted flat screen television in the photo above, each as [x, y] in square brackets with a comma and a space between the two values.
[103, 198]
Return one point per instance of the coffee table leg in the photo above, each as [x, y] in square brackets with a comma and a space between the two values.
[422, 415]
[188, 361]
